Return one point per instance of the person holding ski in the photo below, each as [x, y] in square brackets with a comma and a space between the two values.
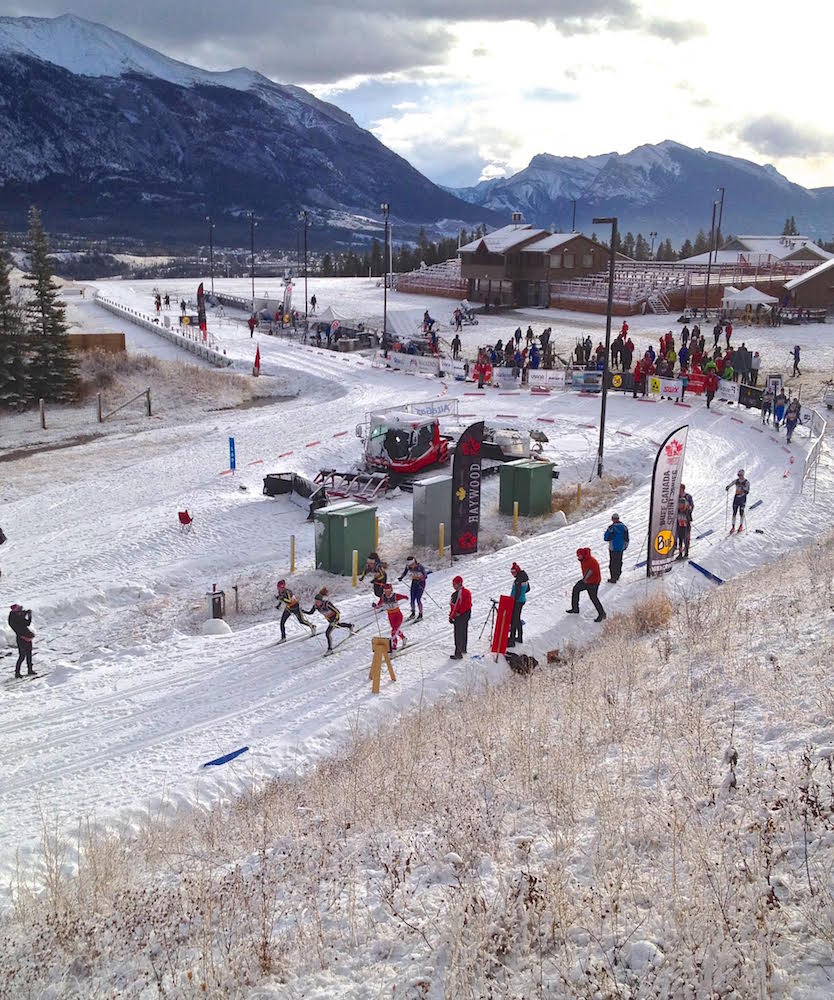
[20, 622]
[377, 568]
[289, 606]
[616, 534]
[391, 604]
[331, 614]
[686, 506]
[767, 404]
[591, 579]
[742, 489]
[418, 585]
[519, 592]
[460, 611]
[795, 353]
[779, 404]
[791, 418]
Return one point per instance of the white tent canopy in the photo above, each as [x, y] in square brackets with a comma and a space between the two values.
[735, 298]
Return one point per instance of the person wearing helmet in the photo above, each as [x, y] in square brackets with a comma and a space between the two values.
[591, 579]
[390, 602]
[460, 611]
[331, 614]
[20, 622]
[289, 606]
[742, 488]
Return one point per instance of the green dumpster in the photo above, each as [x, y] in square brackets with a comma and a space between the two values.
[528, 482]
[341, 528]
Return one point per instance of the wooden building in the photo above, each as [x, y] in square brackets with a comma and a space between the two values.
[814, 289]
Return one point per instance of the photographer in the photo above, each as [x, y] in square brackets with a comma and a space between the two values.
[520, 589]
[19, 622]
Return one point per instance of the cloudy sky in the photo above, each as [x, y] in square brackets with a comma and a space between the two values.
[473, 89]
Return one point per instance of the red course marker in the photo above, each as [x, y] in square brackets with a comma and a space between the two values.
[312, 444]
[284, 454]
[340, 434]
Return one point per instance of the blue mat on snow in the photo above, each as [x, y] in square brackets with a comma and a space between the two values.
[225, 758]
[706, 572]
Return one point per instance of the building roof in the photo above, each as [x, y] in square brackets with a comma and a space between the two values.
[549, 242]
[779, 246]
[504, 239]
[800, 279]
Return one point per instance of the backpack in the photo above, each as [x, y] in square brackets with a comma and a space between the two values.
[520, 663]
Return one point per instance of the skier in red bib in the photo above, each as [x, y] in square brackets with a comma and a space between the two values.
[390, 603]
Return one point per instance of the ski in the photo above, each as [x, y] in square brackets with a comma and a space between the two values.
[706, 572]
[12, 681]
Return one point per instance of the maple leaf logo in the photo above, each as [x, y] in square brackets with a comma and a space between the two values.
[673, 449]
[460, 493]
[467, 541]
[470, 446]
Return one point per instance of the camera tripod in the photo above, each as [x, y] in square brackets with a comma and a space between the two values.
[490, 618]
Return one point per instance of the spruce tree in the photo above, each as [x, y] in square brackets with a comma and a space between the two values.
[642, 250]
[628, 245]
[53, 370]
[12, 346]
[702, 243]
[686, 249]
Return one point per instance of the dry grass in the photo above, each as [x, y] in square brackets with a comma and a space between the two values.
[605, 828]
[596, 495]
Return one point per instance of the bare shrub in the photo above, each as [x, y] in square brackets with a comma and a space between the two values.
[650, 615]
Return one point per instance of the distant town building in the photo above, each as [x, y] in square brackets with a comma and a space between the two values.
[814, 289]
[761, 251]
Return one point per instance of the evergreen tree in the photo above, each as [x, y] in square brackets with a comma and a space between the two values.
[327, 266]
[642, 250]
[53, 370]
[377, 263]
[594, 237]
[686, 250]
[719, 239]
[789, 229]
[669, 251]
[702, 243]
[12, 346]
[628, 245]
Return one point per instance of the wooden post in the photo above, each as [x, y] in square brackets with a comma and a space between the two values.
[43, 413]
[99, 407]
[515, 517]
[379, 644]
[355, 567]
[578, 494]
[292, 553]
[148, 393]
[440, 536]
[376, 532]
[237, 601]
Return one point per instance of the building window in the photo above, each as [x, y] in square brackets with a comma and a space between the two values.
[588, 260]
[555, 261]
[569, 260]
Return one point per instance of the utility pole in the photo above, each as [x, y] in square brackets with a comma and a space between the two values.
[386, 209]
[709, 259]
[304, 220]
[210, 222]
[613, 223]
[573, 222]
[252, 224]
[653, 235]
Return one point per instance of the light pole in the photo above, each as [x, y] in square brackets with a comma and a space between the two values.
[386, 208]
[573, 222]
[613, 223]
[653, 235]
[709, 260]
[306, 223]
[210, 222]
[252, 224]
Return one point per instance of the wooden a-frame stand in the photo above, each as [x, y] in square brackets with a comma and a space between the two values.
[380, 647]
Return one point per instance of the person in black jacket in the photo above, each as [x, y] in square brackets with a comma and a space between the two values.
[19, 622]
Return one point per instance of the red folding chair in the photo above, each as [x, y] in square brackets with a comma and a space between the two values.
[186, 520]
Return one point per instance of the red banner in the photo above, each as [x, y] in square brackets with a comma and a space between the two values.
[503, 618]
[696, 383]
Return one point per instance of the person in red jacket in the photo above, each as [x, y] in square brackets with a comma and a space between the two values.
[460, 611]
[710, 385]
[591, 579]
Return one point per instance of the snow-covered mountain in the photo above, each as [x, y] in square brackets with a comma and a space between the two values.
[111, 137]
[668, 188]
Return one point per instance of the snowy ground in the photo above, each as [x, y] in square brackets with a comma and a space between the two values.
[135, 699]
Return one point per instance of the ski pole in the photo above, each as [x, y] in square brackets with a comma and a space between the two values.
[726, 508]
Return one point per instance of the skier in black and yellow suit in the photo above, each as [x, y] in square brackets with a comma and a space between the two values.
[289, 603]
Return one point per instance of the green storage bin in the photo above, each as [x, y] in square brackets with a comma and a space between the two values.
[528, 482]
[340, 528]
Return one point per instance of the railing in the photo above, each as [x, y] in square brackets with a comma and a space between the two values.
[209, 350]
[817, 427]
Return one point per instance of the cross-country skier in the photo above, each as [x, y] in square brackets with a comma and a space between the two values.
[791, 418]
[616, 534]
[325, 607]
[312, 303]
[686, 507]
[418, 584]
[391, 604]
[377, 568]
[591, 579]
[456, 347]
[519, 592]
[19, 622]
[779, 404]
[288, 603]
[460, 611]
[795, 353]
[767, 404]
[742, 488]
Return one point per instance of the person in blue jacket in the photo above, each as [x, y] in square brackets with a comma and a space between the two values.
[519, 592]
[616, 534]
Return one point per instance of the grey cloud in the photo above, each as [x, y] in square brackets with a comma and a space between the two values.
[776, 136]
[550, 94]
[674, 31]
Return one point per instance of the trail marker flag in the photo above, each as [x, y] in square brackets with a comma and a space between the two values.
[663, 510]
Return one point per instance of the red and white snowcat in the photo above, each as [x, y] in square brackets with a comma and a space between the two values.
[403, 444]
